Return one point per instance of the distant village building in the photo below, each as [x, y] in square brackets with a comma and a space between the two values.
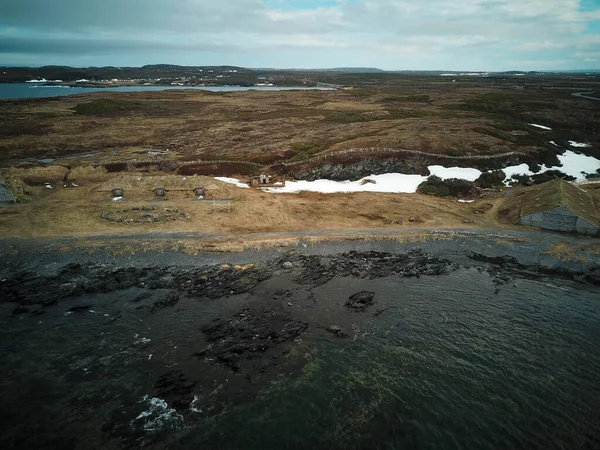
[200, 193]
[160, 192]
[117, 192]
[560, 206]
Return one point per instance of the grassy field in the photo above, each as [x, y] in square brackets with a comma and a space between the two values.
[414, 113]
[76, 211]
[95, 137]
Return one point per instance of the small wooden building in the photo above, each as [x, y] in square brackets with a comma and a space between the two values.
[118, 192]
[200, 192]
[266, 181]
[561, 206]
[160, 192]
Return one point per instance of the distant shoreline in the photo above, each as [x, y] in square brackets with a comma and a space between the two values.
[16, 91]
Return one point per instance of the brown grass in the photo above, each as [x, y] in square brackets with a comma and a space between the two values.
[257, 125]
[76, 211]
[87, 174]
[565, 252]
[39, 175]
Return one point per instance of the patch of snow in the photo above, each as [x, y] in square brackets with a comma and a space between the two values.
[577, 165]
[574, 164]
[454, 172]
[157, 416]
[387, 182]
[543, 127]
[235, 181]
[521, 169]
[150, 356]
[466, 201]
[116, 199]
[47, 185]
[554, 143]
[578, 144]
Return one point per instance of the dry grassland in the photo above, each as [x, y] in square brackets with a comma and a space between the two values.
[269, 126]
[76, 211]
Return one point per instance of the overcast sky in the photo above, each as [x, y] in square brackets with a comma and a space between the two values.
[389, 34]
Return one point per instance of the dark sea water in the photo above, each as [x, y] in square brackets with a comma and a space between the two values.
[30, 90]
[454, 361]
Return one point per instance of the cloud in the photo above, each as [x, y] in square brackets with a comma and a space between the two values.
[491, 34]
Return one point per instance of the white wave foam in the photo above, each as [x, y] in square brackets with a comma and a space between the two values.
[157, 416]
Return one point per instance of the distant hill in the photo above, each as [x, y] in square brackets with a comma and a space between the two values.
[351, 70]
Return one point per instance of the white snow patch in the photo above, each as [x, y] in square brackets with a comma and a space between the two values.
[466, 201]
[454, 172]
[577, 165]
[116, 199]
[574, 164]
[543, 127]
[235, 181]
[578, 144]
[521, 169]
[387, 182]
[553, 143]
[157, 416]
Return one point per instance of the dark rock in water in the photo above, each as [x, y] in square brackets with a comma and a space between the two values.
[370, 265]
[79, 308]
[248, 335]
[593, 277]
[336, 331]
[361, 300]
[20, 310]
[169, 300]
[505, 261]
[175, 389]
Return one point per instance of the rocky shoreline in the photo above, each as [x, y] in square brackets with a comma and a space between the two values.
[248, 317]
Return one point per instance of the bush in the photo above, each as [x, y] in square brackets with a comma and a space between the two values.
[452, 187]
[491, 180]
[526, 180]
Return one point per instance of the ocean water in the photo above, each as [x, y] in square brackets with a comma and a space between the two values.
[458, 361]
[30, 90]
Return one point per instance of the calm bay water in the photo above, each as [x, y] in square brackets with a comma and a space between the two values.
[449, 362]
[29, 90]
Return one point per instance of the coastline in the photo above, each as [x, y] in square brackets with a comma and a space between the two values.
[213, 334]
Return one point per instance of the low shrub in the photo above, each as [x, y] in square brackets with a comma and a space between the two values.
[452, 187]
[491, 180]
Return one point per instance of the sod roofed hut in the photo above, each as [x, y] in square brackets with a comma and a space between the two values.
[118, 192]
[561, 206]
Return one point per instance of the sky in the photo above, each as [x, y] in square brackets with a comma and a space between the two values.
[466, 35]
